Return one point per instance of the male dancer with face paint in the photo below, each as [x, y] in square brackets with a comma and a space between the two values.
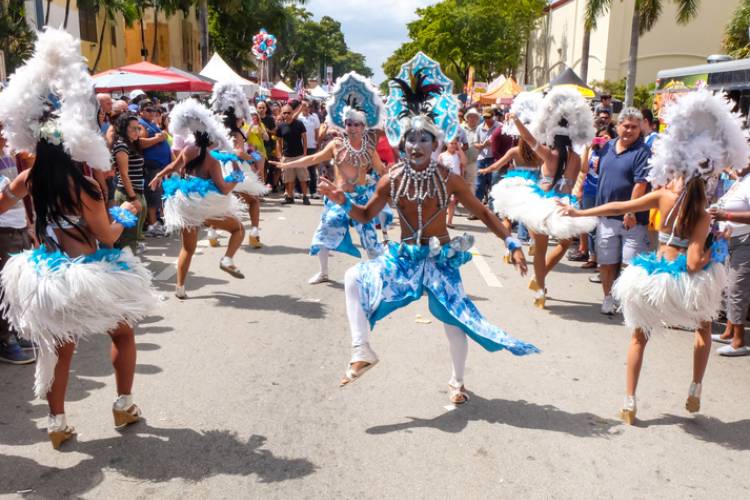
[426, 260]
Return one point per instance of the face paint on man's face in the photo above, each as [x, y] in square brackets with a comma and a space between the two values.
[419, 145]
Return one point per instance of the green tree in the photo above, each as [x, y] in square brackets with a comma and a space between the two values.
[736, 42]
[16, 38]
[485, 34]
[645, 15]
[643, 96]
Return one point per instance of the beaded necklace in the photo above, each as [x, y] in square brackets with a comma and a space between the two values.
[417, 186]
[359, 158]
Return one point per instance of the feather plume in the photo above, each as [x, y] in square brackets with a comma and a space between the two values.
[190, 116]
[563, 112]
[228, 95]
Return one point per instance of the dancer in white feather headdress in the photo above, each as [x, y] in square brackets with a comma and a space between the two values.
[681, 284]
[68, 288]
[200, 194]
[562, 120]
[230, 102]
[356, 107]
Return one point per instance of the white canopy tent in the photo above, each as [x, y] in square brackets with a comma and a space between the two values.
[220, 71]
[318, 93]
[283, 87]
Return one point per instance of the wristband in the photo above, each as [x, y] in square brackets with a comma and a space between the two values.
[123, 217]
[512, 244]
[7, 192]
[347, 205]
[728, 216]
[236, 176]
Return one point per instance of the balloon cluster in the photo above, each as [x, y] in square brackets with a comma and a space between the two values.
[264, 45]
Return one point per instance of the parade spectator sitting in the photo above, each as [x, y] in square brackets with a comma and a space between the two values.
[623, 167]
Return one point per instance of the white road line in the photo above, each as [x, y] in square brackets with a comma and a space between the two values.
[484, 269]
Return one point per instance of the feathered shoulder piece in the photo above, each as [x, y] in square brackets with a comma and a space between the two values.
[564, 112]
[703, 137]
[190, 116]
[421, 96]
[228, 95]
[354, 97]
[525, 106]
[52, 97]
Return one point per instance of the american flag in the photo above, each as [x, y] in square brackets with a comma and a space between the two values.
[299, 88]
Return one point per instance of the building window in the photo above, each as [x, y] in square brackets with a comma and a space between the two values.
[113, 34]
[87, 24]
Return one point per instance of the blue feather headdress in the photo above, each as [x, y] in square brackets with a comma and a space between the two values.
[355, 98]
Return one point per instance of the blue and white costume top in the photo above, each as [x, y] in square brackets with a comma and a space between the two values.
[51, 298]
[189, 201]
[333, 231]
[520, 197]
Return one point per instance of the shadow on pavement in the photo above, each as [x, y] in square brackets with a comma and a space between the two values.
[732, 435]
[521, 414]
[275, 250]
[151, 454]
[282, 303]
[585, 312]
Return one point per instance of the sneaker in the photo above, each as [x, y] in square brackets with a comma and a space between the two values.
[140, 248]
[288, 201]
[730, 351]
[25, 344]
[595, 278]
[318, 279]
[11, 352]
[609, 306]
[152, 232]
[305, 200]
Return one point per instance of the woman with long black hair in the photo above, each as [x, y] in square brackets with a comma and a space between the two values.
[128, 160]
[562, 119]
[68, 288]
[200, 194]
[680, 285]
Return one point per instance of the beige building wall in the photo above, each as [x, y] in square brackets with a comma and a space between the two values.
[558, 41]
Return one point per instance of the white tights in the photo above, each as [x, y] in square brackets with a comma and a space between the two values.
[323, 258]
[360, 328]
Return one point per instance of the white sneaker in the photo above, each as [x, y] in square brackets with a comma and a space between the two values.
[160, 229]
[140, 248]
[609, 306]
[318, 278]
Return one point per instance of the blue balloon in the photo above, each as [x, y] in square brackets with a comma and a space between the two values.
[263, 45]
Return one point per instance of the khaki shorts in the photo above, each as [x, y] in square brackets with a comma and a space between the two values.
[291, 174]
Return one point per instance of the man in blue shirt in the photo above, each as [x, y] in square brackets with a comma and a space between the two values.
[156, 155]
[622, 176]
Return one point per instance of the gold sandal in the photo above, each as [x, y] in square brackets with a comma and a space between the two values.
[125, 412]
[58, 430]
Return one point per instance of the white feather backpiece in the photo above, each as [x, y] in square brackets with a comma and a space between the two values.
[190, 116]
[563, 103]
[525, 106]
[700, 127]
[230, 95]
[56, 67]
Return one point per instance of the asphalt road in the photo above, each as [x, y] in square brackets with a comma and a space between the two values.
[239, 386]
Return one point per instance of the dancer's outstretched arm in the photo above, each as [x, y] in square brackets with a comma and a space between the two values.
[359, 213]
[323, 155]
[14, 191]
[511, 154]
[458, 187]
[646, 202]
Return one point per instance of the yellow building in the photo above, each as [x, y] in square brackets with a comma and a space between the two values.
[177, 36]
[558, 41]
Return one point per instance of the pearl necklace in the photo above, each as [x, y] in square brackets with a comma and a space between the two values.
[359, 158]
[417, 186]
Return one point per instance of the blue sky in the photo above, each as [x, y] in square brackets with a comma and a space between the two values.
[374, 28]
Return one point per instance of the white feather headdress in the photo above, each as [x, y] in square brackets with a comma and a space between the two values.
[190, 116]
[701, 127]
[56, 68]
[230, 95]
[525, 105]
[564, 112]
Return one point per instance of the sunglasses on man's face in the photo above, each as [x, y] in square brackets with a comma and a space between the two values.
[149, 110]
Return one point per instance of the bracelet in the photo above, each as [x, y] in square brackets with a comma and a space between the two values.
[7, 192]
[123, 217]
[348, 205]
[236, 176]
[728, 216]
[512, 244]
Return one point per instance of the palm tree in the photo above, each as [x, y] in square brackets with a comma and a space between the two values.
[585, 49]
[736, 42]
[645, 15]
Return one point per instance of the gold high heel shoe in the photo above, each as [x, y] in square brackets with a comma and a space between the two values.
[533, 285]
[58, 430]
[254, 242]
[124, 411]
[693, 403]
[540, 298]
[629, 410]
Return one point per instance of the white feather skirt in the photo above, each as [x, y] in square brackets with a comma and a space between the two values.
[252, 184]
[654, 293]
[189, 202]
[518, 198]
[51, 299]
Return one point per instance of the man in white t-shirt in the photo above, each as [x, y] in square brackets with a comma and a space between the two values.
[14, 238]
[312, 125]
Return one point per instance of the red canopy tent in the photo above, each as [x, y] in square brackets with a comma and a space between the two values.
[178, 82]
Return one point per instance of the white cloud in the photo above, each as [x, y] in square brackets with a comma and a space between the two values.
[374, 28]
